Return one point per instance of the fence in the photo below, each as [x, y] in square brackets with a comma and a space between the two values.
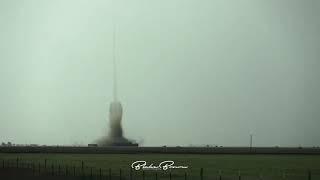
[81, 170]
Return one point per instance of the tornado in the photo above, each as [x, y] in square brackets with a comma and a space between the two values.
[115, 136]
[115, 116]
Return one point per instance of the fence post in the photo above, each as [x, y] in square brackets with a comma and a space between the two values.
[45, 166]
[67, 170]
[74, 170]
[109, 173]
[17, 162]
[156, 176]
[59, 170]
[33, 169]
[239, 174]
[82, 170]
[120, 174]
[3, 163]
[130, 173]
[52, 169]
[220, 176]
[91, 173]
[39, 168]
[201, 173]
[142, 175]
[309, 175]
[100, 173]
[185, 175]
[170, 176]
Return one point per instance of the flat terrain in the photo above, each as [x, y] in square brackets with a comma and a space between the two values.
[250, 166]
[161, 150]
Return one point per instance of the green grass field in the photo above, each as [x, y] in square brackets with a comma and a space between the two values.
[250, 166]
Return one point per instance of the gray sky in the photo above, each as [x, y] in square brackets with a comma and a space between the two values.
[189, 71]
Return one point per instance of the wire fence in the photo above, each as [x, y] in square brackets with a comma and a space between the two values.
[83, 170]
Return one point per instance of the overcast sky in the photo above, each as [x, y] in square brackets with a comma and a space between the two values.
[189, 71]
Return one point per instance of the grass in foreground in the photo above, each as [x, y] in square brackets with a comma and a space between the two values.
[273, 166]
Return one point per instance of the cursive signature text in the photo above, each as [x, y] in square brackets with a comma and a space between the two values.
[164, 165]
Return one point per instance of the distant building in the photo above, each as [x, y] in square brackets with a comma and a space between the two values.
[92, 145]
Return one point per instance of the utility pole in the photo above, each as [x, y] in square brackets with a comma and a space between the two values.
[251, 141]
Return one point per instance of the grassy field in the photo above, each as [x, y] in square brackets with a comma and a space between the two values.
[250, 166]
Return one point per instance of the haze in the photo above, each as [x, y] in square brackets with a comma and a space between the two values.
[189, 72]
